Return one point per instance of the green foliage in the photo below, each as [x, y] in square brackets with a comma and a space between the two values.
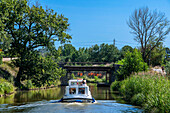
[120, 62]
[82, 55]
[104, 53]
[30, 28]
[96, 53]
[4, 44]
[124, 50]
[157, 55]
[167, 68]
[96, 78]
[1, 89]
[1, 56]
[46, 71]
[72, 76]
[5, 87]
[115, 86]
[8, 71]
[150, 92]
[132, 62]
[8, 87]
[68, 51]
[29, 84]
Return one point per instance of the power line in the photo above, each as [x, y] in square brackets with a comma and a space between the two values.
[117, 42]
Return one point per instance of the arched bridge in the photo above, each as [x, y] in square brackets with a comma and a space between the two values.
[109, 68]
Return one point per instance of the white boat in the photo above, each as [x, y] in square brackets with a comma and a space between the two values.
[77, 91]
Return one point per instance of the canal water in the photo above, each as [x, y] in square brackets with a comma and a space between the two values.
[39, 101]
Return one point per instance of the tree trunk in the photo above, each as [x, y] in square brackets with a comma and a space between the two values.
[18, 78]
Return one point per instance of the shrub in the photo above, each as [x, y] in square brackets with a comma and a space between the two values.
[132, 62]
[8, 87]
[104, 79]
[29, 84]
[115, 86]
[5, 87]
[150, 92]
[96, 78]
[138, 99]
[1, 89]
[72, 76]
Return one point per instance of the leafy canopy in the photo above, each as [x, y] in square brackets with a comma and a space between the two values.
[132, 62]
[30, 28]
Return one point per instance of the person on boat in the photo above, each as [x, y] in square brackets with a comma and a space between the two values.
[83, 82]
[72, 91]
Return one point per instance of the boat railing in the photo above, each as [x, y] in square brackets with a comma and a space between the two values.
[77, 82]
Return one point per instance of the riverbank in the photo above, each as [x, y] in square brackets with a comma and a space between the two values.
[6, 88]
[8, 73]
[151, 92]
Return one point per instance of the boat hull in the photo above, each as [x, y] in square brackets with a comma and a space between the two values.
[79, 100]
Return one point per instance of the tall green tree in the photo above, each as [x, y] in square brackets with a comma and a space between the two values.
[94, 53]
[108, 53]
[5, 43]
[157, 55]
[83, 55]
[148, 27]
[132, 62]
[68, 51]
[124, 50]
[30, 27]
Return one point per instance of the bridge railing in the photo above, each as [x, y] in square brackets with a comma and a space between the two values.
[84, 63]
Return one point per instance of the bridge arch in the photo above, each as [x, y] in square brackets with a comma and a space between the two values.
[109, 69]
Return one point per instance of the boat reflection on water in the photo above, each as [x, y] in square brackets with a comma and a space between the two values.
[77, 91]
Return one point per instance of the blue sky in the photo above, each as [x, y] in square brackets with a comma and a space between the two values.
[101, 21]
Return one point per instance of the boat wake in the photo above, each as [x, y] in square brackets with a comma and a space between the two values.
[9, 107]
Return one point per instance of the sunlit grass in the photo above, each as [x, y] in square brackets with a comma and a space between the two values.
[150, 92]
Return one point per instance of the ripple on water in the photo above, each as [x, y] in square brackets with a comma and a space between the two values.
[101, 106]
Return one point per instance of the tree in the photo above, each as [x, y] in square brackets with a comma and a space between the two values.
[83, 56]
[132, 62]
[5, 43]
[157, 55]
[148, 27]
[94, 53]
[124, 50]
[68, 51]
[108, 53]
[30, 27]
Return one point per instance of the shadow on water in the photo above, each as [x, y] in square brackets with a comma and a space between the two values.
[44, 101]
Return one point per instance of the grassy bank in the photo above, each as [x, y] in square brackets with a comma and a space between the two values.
[152, 93]
[5, 87]
[8, 72]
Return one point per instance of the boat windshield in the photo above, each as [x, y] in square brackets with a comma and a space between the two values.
[72, 90]
[73, 83]
[81, 91]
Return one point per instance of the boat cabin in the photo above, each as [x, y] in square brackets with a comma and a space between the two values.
[77, 87]
[77, 91]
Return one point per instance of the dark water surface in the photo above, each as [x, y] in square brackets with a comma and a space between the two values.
[38, 101]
